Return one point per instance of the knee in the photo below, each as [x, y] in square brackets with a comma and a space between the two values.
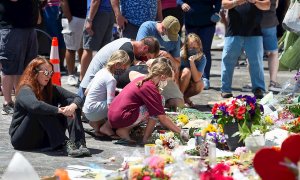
[186, 72]
[174, 103]
[198, 87]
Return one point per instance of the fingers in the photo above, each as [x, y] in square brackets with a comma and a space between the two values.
[185, 7]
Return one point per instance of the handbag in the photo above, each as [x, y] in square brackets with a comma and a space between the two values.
[291, 21]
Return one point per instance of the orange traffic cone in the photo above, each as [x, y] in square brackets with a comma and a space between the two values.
[54, 60]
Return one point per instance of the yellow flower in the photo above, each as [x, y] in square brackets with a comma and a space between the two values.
[211, 128]
[269, 120]
[183, 118]
[162, 137]
[220, 128]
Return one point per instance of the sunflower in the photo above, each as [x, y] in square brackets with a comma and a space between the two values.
[183, 118]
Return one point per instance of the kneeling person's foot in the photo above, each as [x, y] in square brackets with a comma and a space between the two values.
[71, 150]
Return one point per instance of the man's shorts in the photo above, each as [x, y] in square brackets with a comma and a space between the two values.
[171, 91]
[17, 48]
[270, 39]
[100, 112]
[73, 32]
[103, 23]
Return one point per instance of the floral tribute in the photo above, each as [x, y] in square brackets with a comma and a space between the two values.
[154, 169]
[221, 172]
[238, 109]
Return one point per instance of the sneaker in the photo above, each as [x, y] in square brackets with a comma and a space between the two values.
[71, 150]
[275, 87]
[78, 83]
[258, 93]
[72, 81]
[206, 83]
[8, 108]
[247, 88]
[81, 145]
[226, 95]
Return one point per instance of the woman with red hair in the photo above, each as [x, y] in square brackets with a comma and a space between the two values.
[43, 112]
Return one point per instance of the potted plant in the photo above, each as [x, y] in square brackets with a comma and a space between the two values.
[237, 116]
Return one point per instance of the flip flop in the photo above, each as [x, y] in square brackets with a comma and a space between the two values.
[126, 142]
[100, 136]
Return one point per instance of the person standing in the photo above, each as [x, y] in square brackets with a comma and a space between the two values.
[244, 32]
[18, 43]
[131, 14]
[74, 13]
[200, 17]
[269, 31]
[97, 30]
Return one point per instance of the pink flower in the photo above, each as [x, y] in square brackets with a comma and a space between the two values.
[146, 178]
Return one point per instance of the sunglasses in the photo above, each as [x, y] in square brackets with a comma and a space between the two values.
[47, 73]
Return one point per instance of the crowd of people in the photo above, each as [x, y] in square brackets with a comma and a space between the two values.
[130, 80]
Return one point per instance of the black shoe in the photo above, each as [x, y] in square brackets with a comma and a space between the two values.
[226, 95]
[78, 84]
[71, 150]
[8, 108]
[81, 145]
[258, 93]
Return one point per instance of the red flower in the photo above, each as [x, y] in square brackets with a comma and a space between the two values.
[240, 116]
[231, 109]
[214, 109]
[146, 178]
[252, 106]
[242, 110]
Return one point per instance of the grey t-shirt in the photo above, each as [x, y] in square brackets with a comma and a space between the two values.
[101, 88]
[269, 18]
[101, 58]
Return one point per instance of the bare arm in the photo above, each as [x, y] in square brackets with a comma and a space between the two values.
[167, 122]
[262, 4]
[229, 4]
[93, 10]
[159, 11]
[119, 17]
[66, 9]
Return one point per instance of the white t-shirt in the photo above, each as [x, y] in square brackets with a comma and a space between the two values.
[101, 88]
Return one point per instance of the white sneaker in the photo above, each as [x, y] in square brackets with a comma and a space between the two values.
[72, 81]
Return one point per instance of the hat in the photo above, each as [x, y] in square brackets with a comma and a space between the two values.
[172, 26]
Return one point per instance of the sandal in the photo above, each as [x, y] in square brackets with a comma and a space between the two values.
[101, 136]
[126, 142]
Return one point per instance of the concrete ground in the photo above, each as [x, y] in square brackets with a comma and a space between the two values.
[45, 163]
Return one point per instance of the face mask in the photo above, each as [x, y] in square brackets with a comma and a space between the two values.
[162, 84]
[118, 72]
[165, 38]
[192, 52]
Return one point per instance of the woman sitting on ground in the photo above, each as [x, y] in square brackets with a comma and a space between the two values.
[44, 112]
[101, 90]
[192, 66]
[140, 101]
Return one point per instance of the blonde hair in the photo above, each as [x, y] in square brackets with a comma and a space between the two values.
[192, 37]
[119, 56]
[160, 66]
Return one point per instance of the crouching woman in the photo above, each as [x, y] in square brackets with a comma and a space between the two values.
[44, 112]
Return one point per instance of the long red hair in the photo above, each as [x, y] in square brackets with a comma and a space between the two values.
[29, 78]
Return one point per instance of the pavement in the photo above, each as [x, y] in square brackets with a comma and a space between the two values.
[45, 163]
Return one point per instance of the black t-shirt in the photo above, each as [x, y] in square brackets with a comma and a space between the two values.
[123, 80]
[78, 8]
[127, 47]
[244, 20]
[19, 14]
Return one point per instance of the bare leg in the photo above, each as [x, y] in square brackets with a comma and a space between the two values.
[174, 103]
[124, 133]
[185, 79]
[70, 60]
[96, 125]
[106, 129]
[273, 64]
[85, 61]
[194, 89]
[8, 82]
[62, 53]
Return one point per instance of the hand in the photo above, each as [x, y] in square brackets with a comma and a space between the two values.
[69, 111]
[192, 58]
[184, 135]
[121, 21]
[88, 28]
[252, 1]
[240, 2]
[185, 7]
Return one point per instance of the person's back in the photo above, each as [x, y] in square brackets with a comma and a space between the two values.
[101, 58]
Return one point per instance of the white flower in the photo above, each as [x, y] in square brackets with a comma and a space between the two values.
[256, 133]
[158, 142]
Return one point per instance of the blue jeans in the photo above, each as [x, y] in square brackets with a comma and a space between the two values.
[206, 35]
[253, 46]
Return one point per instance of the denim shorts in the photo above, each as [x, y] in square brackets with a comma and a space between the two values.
[17, 48]
[270, 39]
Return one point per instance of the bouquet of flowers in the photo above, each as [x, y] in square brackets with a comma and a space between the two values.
[244, 110]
